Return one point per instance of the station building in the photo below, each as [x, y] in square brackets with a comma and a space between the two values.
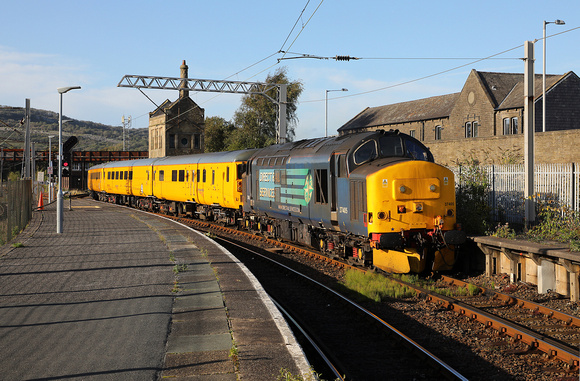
[485, 119]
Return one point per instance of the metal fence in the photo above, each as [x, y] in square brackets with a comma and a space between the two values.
[557, 182]
[16, 201]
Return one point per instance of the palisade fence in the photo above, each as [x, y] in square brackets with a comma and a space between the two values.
[557, 182]
[16, 202]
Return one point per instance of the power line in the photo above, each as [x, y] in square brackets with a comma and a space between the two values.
[422, 78]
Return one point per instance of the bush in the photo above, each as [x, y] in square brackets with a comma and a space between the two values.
[473, 211]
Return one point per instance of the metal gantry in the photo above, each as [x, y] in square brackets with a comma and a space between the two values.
[215, 86]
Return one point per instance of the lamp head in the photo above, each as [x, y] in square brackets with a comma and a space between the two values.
[62, 90]
[559, 22]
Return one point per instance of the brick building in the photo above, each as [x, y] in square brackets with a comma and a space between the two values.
[486, 119]
[177, 128]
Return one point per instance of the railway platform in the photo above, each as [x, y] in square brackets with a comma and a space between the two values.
[123, 295]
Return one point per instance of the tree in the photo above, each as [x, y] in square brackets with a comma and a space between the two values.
[256, 120]
[217, 134]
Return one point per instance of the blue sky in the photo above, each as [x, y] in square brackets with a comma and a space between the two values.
[49, 44]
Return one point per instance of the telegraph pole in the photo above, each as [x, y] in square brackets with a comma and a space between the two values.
[530, 212]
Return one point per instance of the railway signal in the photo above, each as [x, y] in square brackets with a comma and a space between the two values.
[66, 164]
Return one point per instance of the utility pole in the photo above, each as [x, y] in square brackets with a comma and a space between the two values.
[530, 212]
[26, 173]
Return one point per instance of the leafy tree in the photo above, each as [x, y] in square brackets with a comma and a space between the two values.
[256, 120]
[217, 133]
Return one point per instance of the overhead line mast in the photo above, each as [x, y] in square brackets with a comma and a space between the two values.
[216, 86]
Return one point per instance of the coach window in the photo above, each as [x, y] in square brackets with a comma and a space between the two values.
[126, 175]
[116, 175]
[174, 175]
[213, 177]
[181, 175]
[161, 175]
[130, 175]
[227, 174]
[204, 177]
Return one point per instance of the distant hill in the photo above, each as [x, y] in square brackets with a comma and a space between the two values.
[92, 136]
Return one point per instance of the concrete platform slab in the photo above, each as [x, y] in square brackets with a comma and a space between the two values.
[200, 343]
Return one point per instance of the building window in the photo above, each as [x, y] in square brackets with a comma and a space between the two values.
[471, 129]
[506, 126]
[438, 130]
[515, 126]
[510, 126]
[171, 140]
[412, 133]
[197, 141]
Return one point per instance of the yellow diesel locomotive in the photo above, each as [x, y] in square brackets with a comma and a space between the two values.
[376, 198]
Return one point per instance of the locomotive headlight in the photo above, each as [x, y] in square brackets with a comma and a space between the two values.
[433, 188]
[402, 189]
[418, 207]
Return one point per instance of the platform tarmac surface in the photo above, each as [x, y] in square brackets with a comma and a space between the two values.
[123, 295]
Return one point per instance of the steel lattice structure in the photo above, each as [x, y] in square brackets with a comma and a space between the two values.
[215, 86]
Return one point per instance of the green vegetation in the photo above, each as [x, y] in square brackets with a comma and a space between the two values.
[179, 268]
[17, 244]
[556, 223]
[286, 375]
[375, 286]
[471, 196]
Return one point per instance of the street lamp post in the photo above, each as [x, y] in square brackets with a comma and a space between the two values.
[326, 110]
[50, 172]
[557, 22]
[59, 212]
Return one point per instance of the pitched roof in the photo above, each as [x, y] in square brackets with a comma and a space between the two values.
[421, 109]
[515, 98]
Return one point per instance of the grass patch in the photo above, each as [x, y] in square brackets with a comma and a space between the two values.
[374, 286]
[17, 244]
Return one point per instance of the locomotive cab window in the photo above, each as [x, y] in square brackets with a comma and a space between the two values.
[366, 152]
[416, 151]
[391, 146]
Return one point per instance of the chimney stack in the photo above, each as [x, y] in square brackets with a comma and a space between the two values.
[183, 93]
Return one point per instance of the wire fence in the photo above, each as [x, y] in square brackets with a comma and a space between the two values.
[559, 183]
[16, 202]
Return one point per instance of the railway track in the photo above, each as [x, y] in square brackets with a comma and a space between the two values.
[359, 344]
[541, 349]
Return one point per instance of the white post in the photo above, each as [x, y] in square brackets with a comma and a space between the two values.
[530, 213]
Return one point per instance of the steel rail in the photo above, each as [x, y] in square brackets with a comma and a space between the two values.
[532, 339]
[320, 352]
[446, 370]
[514, 300]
